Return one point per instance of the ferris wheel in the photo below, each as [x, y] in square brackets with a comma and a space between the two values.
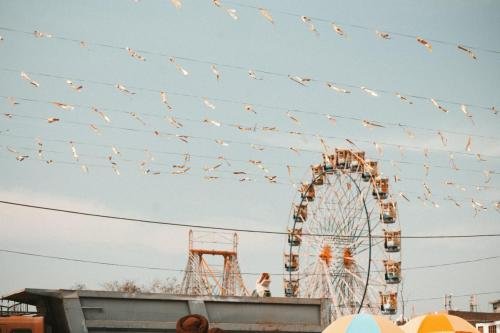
[344, 239]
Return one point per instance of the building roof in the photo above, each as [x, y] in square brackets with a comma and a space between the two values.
[476, 317]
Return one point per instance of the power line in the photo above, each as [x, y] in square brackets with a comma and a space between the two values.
[240, 67]
[241, 102]
[170, 134]
[87, 261]
[229, 141]
[250, 144]
[156, 268]
[423, 180]
[142, 150]
[254, 128]
[216, 158]
[451, 263]
[159, 268]
[247, 143]
[214, 172]
[363, 27]
[217, 176]
[455, 296]
[156, 173]
[260, 231]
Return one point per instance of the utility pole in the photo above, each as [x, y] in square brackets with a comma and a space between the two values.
[473, 303]
[448, 302]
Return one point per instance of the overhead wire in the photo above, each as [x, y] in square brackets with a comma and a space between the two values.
[160, 268]
[208, 157]
[241, 102]
[247, 177]
[156, 268]
[448, 183]
[156, 172]
[246, 143]
[239, 67]
[228, 141]
[367, 28]
[173, 135]
[456, 296]
[123, 111]
[8, 134]
[243, 230]
[87, 261]
[451, 263]
[256, 127]
[208, 175]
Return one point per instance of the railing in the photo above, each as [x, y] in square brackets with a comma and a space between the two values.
[9, 308]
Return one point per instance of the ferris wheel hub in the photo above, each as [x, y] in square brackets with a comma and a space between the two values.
[348, 258]
[326, 254]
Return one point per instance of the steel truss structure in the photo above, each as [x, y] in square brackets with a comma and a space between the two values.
[204, 277]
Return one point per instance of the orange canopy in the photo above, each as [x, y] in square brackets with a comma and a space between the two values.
[438, 323]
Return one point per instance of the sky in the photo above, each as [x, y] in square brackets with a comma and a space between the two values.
[198, 35]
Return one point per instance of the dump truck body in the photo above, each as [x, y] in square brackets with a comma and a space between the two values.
[85, 311]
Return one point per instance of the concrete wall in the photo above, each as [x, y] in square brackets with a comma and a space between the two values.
[486, 327]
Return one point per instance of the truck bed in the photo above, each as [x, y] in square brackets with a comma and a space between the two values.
[90, 311]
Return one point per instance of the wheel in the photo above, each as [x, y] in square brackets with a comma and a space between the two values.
[344, 239]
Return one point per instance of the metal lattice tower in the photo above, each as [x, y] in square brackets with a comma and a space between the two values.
[202, 276]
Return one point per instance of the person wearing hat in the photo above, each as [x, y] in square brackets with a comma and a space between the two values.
[194, 323]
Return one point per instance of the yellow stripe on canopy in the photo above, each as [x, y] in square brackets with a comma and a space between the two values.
[438, 323]
[435, 323]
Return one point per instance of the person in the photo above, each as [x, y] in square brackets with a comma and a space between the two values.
[262, 286]
[193, 323]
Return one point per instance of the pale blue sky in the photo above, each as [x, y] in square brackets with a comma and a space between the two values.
[206, 33]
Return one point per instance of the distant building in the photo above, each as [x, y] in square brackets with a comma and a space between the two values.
[496, 305]
[477, 317]
[492, 327]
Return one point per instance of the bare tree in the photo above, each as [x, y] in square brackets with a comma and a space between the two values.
[166, 286]
[127, 286]
[78, 286]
